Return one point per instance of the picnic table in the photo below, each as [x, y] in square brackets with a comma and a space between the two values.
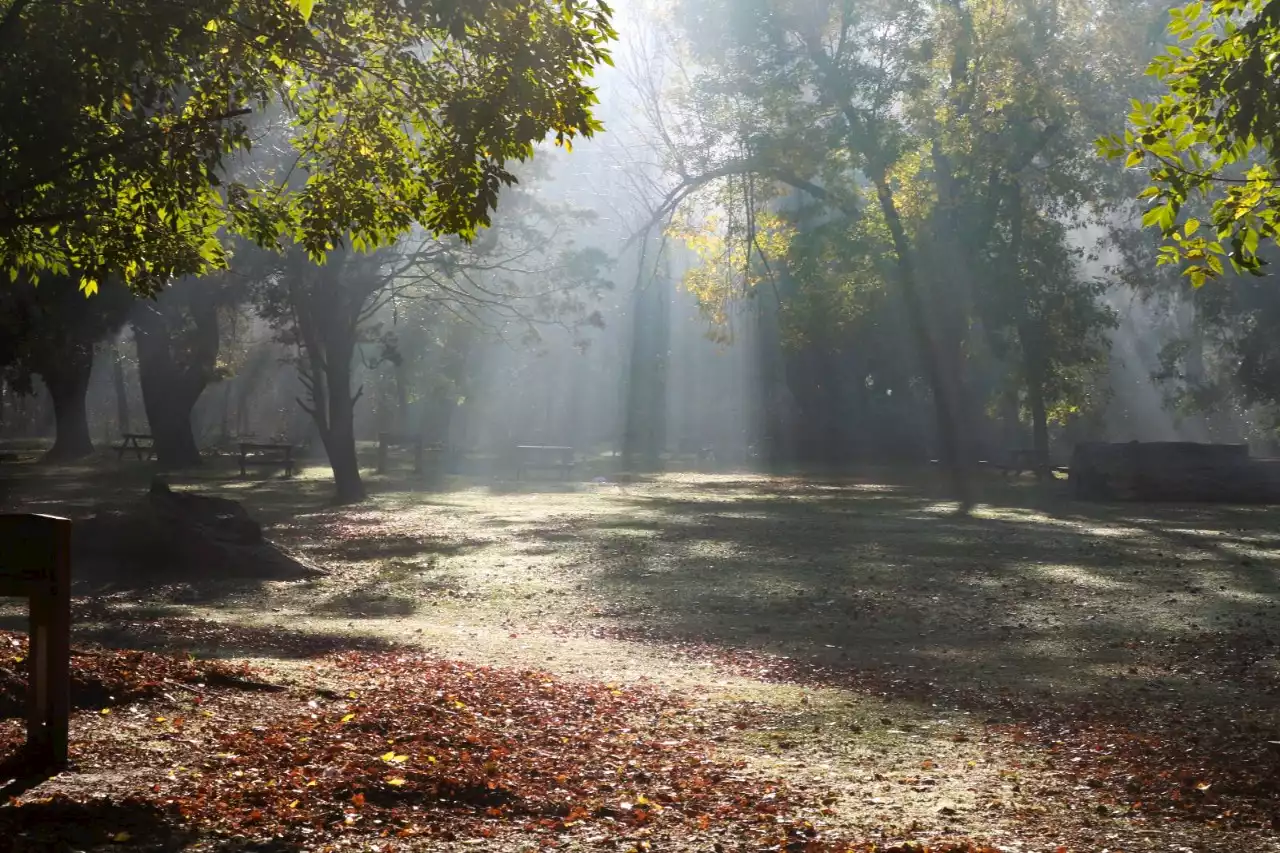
[267, 455]
[138, 443]
[419, 445]
[541, 456]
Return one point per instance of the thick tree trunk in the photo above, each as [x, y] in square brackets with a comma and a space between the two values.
[339, 435]
[122, 393]
[944, 403]
[171, 385]
[68, 387]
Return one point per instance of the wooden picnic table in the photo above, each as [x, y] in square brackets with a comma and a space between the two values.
[419, 445]
[267, 455]
[137, 442]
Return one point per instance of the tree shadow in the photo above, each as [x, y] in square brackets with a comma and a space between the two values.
[63, 824]
[368, 603]
[1034, 600]
[150, 631]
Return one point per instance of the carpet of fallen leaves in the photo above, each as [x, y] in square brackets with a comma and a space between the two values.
[411, 750]
[101, 678]
[1155, 757]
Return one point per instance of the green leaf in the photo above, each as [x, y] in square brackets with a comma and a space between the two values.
[304, 7]
[1192, 226]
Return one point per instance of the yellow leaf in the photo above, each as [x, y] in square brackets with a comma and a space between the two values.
[106, 711]
[395, 780]
[348, 718]
[392, 758]
[121, 837]
[1192, 226]
[304, 8]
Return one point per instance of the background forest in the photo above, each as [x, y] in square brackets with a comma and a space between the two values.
[815, 234]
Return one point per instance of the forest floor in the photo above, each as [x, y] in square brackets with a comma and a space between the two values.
[696, 661]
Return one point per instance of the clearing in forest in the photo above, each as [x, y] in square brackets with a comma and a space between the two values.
[694, 662]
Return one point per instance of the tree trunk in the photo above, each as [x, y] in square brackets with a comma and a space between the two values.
[1039, 426]
[1030, 340]
[943, 394]
[327, 319]
[402, 425]
[68, 387]
[171, 385]
[339, 435]
[224, 426]
[122, 392]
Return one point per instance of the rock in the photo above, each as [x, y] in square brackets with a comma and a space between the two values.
[170, 535]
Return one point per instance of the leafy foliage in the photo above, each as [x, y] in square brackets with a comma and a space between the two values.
[1211, 137]
[115, 148]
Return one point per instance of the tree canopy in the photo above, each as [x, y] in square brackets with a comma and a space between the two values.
[1213, 137]
[115, 147]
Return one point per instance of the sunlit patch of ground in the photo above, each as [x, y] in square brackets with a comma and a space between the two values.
[953, 632]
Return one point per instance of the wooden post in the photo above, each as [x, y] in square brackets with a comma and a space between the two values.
[35, 562]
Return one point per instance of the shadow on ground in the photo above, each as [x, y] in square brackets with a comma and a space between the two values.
[1064, 599]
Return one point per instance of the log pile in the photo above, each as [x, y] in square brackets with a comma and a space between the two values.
[1180, 471]
[180, 536]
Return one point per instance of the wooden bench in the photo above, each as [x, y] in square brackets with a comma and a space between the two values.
[35, 563]
[266, 455]
[536, 456]
[138, 443]
[419, 445]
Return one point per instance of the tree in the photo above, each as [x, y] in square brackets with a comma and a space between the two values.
[1213, 136]
[52, 331]
[909, 121]
[520, 275]
[115, 147]
[1048, 319]
[178, 339]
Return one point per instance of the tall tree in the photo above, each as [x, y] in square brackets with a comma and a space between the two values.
[915, 117]
[178, 340]
[521, 274]
[52, 331]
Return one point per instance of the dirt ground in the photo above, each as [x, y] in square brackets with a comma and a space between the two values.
[1041, 674]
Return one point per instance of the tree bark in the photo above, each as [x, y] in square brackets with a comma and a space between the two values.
[175, 365]
[340, 444]
[943, 394]
[68, 386]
